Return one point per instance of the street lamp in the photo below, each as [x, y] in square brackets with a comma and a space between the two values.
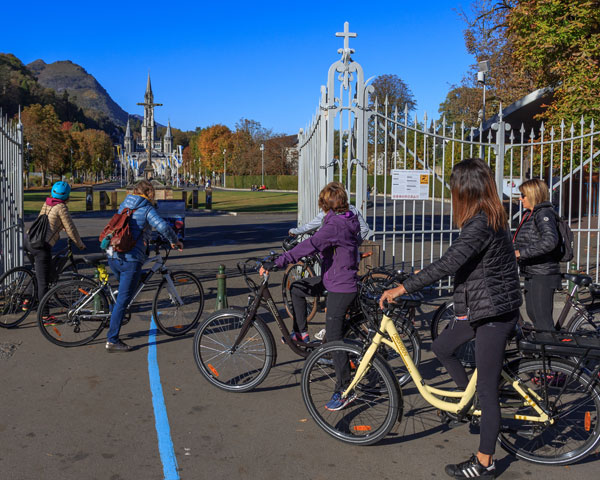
[262, 151]
[484, 67]
[224, 168]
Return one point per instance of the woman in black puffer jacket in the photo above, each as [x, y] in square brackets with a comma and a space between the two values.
[538, 252]
[487, 298]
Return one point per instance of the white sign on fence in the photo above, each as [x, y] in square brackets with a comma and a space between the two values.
[410, 184]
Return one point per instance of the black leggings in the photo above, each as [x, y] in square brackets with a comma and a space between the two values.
[490, 336]
[539, 299]
[337, 304]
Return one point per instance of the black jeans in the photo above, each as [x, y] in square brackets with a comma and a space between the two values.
[43, 269]
[539, 299]
[490, 336]
[299, 290]
[337, 305]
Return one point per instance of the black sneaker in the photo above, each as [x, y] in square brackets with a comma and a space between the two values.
[120, 346]
[471, 468]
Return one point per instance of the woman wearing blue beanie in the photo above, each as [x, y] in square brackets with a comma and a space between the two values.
[59, 218]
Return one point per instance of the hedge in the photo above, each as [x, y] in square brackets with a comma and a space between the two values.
[273, 182]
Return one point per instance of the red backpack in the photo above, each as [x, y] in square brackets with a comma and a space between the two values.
[117, 233]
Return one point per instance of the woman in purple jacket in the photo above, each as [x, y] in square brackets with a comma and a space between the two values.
[337, 241]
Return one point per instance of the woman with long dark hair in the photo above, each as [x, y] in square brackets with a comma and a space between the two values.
[487, 298]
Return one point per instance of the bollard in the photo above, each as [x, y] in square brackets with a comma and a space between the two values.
[573, 271]
[195, 198]
[208, 204]
[184, 198]
[103, 197]
[221, 289]
[89, 198]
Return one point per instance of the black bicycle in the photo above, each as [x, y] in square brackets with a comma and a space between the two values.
[19, 290]
[234, 348]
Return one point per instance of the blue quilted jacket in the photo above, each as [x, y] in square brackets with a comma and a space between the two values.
[142, 221]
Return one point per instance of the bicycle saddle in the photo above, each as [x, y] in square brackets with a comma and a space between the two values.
[578, 279]
[94, 259]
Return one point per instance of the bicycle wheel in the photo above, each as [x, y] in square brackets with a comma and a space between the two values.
[441, 320]
[234, 371]
[69, 315]
[172, 317]
[18, 296]
[378, 403]
[582, 324]
[574, 407]
[293, 273]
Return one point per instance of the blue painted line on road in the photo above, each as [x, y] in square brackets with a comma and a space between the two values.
[163, 431]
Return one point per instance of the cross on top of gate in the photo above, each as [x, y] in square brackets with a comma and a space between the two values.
[347, 35]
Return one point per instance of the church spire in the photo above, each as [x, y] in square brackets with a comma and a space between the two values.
[128, 130]
[149, 96]
[168, 134]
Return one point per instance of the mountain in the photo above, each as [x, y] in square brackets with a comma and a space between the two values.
[19, 88]
[81, 87]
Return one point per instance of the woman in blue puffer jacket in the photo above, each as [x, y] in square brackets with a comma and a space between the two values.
[127, 266]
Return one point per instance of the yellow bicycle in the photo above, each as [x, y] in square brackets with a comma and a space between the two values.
[550, 405]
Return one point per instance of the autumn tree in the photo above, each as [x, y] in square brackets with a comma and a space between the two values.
[42, 130]
[558, 44]
[210, 144]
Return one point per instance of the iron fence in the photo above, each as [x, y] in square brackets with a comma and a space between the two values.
[11, 193]
[359, 140]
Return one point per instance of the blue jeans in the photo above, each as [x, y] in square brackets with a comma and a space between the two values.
[128, 275]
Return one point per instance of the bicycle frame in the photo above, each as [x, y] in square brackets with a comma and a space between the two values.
[432, 394]
[159, 264]
[264, 294]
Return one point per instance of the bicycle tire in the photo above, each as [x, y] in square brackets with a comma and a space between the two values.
[242, 370]
[440, 321]
[168, 315]
[378, 404]
[67, 329]
[578, 426]
[18, 296]
[293, 273]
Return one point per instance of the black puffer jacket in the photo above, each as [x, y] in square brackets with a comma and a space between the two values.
[537, 241]
[486, 279]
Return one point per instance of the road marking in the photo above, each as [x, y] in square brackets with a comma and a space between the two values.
[163, 431]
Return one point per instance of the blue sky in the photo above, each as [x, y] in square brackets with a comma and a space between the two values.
[260, 60]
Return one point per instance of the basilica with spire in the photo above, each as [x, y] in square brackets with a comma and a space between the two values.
[149, 142]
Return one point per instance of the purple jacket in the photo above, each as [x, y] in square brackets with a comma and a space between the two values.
[337, 241]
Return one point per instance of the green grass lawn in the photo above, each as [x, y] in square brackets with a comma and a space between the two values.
[232, 201]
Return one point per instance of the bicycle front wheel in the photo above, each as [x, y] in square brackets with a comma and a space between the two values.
[18, 296]
[178, 304]
[374, 411]
[238, 370]
[293, 273]
[574, 406]
[73, 313]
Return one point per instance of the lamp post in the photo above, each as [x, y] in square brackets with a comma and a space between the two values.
[262, 152]
[27, 162]
[224, 168]
[484, 67]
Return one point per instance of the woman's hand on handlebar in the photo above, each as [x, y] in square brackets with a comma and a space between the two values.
[389, 295]
[177, 246]
[266, 267]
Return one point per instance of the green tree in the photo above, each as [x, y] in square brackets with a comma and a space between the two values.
[397, 92]
[42, 130]
[558, 44]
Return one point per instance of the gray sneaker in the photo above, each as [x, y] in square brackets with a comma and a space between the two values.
[120, 346]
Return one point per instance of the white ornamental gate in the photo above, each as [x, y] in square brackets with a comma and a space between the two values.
[359, 142]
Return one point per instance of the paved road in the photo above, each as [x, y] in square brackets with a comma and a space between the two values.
[84, 414]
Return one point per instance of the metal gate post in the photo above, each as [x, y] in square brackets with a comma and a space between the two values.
[501, 127]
